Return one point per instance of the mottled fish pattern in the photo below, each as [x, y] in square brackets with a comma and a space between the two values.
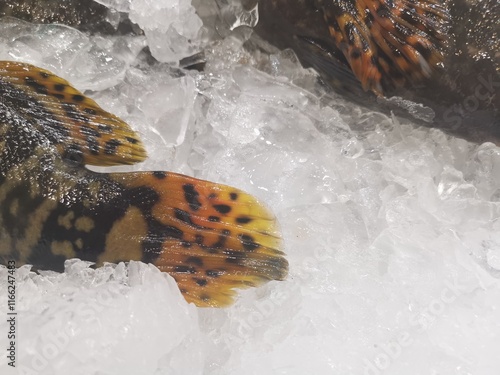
[211, 238]
[388, 42]
[384, 43]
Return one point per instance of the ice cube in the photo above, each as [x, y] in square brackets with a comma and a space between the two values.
[172, 27]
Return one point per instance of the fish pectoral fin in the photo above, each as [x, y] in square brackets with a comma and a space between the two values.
[81, 130]
[389, 43]
[330, 63]
[211, 238]
[210, 280]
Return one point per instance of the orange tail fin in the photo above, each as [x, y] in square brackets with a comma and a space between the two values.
[213, 238]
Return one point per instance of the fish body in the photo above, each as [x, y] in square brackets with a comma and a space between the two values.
[442, 54]
[211, 238]
[83, 14]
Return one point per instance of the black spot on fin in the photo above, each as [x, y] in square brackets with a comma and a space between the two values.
[198, 239]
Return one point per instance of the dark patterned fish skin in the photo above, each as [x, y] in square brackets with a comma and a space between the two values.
[463, 90]
[37, 190]
[84, 15]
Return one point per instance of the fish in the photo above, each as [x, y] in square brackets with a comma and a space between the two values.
[390, 55]
[211, 238]
[383, 43]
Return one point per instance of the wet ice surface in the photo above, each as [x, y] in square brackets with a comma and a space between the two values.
[391, 230]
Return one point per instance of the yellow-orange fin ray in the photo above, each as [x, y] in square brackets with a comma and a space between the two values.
[211, 238]
[81, 130]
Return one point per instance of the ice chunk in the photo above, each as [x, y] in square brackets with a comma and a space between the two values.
[172, 27]
[483, 169]
[234, 14]
[418, 111]
[57, 45]
[92, 63]
[159, 103]
[77, 318]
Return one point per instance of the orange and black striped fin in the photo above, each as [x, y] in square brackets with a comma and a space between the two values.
[389, 43]
[81, 130]
[211, 238]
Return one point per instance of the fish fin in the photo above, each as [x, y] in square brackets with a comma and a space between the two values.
[331, 64]
[81, 130]
[211, 238]
[389, 43]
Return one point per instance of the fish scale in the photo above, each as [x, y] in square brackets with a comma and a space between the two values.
[211, 238]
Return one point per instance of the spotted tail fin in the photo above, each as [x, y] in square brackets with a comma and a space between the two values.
[211, 238]
[389, 43]
[81, 130]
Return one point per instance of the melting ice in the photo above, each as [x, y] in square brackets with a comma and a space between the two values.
[391, 230]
